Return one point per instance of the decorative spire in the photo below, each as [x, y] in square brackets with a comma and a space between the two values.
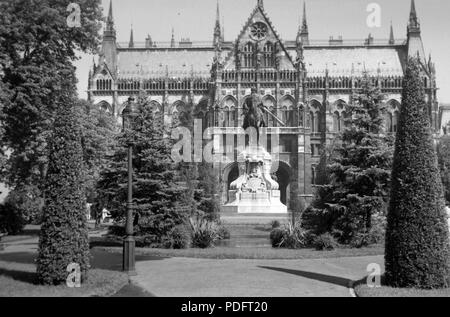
[391, 36]
[217, 28]
[110, 29]
[413, 25]
[172, 41]
[304, 28]
[131, 44]
[218, 13]
[415, 44]
[303, 32]
[110, 14]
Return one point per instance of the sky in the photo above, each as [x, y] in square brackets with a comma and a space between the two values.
[195, 19]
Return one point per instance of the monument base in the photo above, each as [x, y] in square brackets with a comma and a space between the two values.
[255, 203]
[254, 191]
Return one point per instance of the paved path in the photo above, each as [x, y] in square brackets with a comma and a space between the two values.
[183, 277]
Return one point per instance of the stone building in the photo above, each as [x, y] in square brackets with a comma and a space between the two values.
[304, 82]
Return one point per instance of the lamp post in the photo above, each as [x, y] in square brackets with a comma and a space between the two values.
[129, 243]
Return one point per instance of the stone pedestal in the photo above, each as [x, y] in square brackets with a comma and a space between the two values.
[254, 191]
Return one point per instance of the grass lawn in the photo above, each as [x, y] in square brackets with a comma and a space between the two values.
[362, 290]
[262, 253]
[247, 242]
[18, 272]
[19, 280]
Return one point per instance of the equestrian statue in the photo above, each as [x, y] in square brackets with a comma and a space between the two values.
[253, 112]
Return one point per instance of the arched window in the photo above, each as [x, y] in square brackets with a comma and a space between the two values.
[290, 117]
[226, 114]
[268, 55]
[229, 112]
[270, 104]
[301, 116]
[313, 175]
[341, 108]
[105, 106]
[394, 109]
[315, 116]
[395, 121]
[313, 121]
[284, 114]
[389, 126]
[232, 116]
[336, 122]
[272, 121]
[249, 61]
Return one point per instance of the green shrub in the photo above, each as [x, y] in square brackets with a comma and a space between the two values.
[28, 201]
[276, 237]
[293, 237]
[309, 237]
[417, 246]
[179, 237]
[204, 233]
[325, 242]
[150, 241]
[375, 235]
[11, 220]
[290, 236]
[117, 230]
[275, 224]
[224, 233]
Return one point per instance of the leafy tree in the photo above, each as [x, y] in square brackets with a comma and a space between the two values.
[11, 219]
[64, 234]
[28, 202]
[99, 139]
[356, 185]
[417, 241]
[37, 49]
[157, 191]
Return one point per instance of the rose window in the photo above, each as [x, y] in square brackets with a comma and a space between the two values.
[258, 31]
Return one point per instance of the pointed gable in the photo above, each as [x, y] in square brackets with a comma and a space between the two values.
[103, 72]
[259, 30]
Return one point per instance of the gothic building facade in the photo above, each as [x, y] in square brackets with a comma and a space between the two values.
[305, 83]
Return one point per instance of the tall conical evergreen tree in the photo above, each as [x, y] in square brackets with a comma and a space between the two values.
[417, 242]
[64, 234]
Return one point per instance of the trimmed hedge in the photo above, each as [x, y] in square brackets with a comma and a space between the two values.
[417, 245]
[64, 234]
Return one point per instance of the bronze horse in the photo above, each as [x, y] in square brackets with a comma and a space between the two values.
[253, 113]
